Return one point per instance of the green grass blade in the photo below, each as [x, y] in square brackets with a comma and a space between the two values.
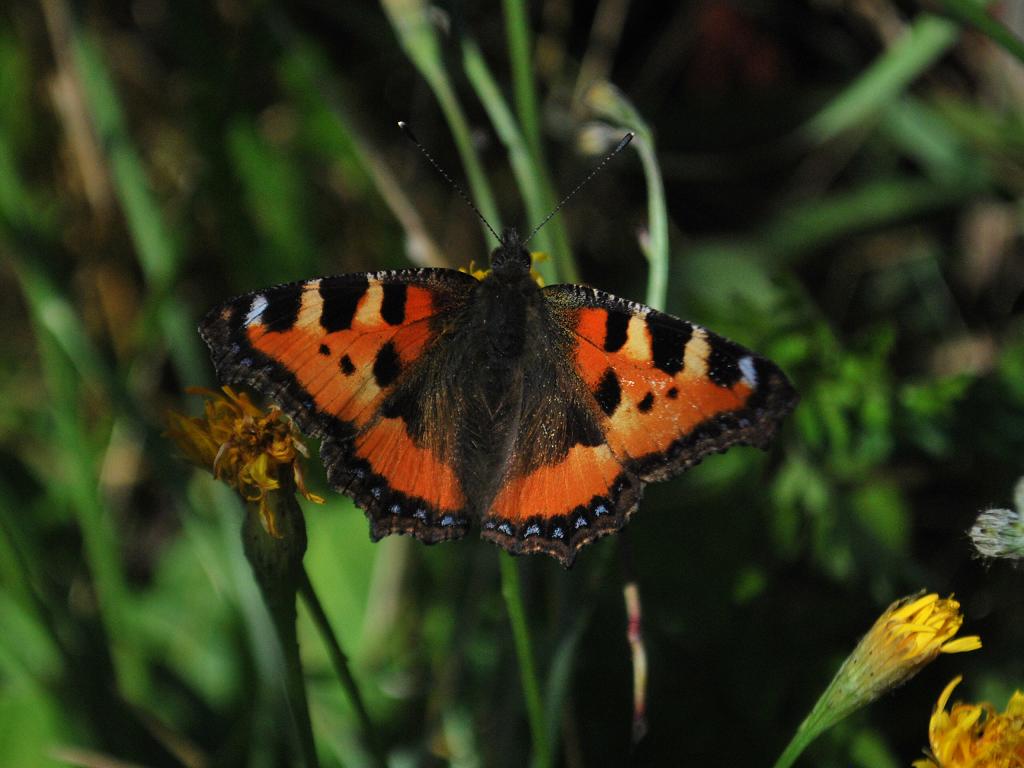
[656, 246]
[610, 103]
[156, 251]
[77, 471]
[553, 238]
[306, 76]
[156, 248]
[521, 60]
[924, 42]
[419, 40]
[802, 228]
[973, 13]
[530, 179]
[917, 129]
[511, 590]
[341, 667]
[53, 313]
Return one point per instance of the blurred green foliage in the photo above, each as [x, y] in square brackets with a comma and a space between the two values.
[844, 187]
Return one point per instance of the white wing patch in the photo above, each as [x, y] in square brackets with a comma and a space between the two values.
[749, 371]
[255, 313]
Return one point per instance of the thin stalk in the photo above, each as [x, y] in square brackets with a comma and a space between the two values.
[340, 662]
[530, 177]
[634, 636]
[521, 60]
[511, 590]
[610, 103]
[793, 750]
[553, 238]
[973, 13]
[807, 732]
[655, 245]
[277, 567]
[298, 699]
[479, 186]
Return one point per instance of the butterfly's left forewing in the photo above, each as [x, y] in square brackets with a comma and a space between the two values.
[341, 355]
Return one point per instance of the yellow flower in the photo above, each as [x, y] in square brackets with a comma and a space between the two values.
[242, 445]
[907, 636]
[975, 735]
[918, 630]
[536, 257]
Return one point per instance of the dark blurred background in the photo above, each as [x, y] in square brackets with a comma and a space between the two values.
[844, 184]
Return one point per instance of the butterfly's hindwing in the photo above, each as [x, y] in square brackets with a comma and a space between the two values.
[562, 487]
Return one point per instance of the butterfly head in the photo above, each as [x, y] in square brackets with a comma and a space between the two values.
[510, 256]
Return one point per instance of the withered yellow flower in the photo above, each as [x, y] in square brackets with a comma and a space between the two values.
[244, 446]
[975, 735]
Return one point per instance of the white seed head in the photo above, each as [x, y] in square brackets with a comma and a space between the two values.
[999, 533]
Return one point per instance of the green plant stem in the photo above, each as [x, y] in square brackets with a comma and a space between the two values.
[511, 590]
[793, 750]
[530, 176]
[973, 13]
[478, 183]
[277, 567]
[561, 666]
[521, 61]
[535, 184]
[609, 102]
[340, 662]
[828, 710]
[656, 247]
[807, 732]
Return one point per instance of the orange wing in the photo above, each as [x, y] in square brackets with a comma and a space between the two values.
[651, 396]
[669, 392]
[343, 357]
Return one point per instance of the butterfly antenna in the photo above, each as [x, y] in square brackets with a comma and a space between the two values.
[412, 137]
[621, 146]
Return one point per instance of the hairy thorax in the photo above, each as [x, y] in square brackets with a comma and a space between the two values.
[506, 306]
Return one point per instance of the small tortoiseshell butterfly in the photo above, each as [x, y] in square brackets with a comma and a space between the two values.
[541, 412]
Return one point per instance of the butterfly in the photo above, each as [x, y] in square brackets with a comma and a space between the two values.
[441, 398]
